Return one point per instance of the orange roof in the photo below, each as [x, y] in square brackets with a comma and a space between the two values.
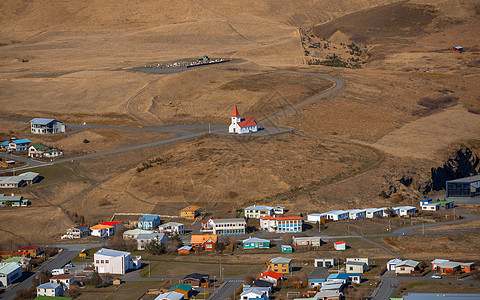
[247, 122]
[280, 218]
[29, 248]
[191, 208]
[235, 112]
[100, 226]
[339, 243]
[271, 274]
[199, 239]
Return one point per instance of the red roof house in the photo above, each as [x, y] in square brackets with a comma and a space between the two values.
[32, 250]
[271, 276]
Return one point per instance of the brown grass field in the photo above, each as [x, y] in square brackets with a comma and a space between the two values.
[73, 61]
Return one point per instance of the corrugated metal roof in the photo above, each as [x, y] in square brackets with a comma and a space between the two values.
[280, 260]
[41, 121]
[111, 253]
[9, 268]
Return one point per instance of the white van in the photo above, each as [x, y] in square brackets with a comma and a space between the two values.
[58, 272]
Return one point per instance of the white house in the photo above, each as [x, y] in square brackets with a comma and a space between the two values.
[372, 212]
[340, 245]
[46, 126]
[144, 238]
[256, 212]
[172, 228]
[279, 210]
[391, 264]
[336, 215]
[356, 266]
[355, 214]
[254, 293]
[170, 296]
[324, 262]
[241, 126]
[39, 150]
[10, 272]
[312, 241]
[226, 226]
[115, 262]
[405, 210]
[65, 280]
[281, 224]
[133, 233]
[406, 266]
[49, 289]
[314, 218]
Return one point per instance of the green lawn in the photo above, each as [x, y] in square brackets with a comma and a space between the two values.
[128, 290]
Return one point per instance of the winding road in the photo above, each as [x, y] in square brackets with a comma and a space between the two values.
[183, 132]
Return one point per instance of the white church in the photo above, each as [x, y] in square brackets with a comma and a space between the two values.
[240, 126]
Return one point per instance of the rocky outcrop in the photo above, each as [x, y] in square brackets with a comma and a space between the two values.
[462, 163]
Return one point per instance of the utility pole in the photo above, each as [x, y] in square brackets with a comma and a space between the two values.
[149, 263]
[423, 228]
[389, 226]
[454, 213]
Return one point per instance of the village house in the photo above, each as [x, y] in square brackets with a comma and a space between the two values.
[101, 230]
[391, 264]
[447, 267]
[10, 272]
[281, 224]
[204, 241]
[78, 232]
[149, 222]
[9, 254]
[133, 233]
[11, 182]
[340, 245]
[117, 225]
[439, 205]
[226, 226]
[49, 289]
[46, 126]
[309, 241]
[405, 210]
[30, 177]
[23, 261]
[197, 280]
[13, 201]
[241, 126]
[355, 214]
[256, 212]
[286, 249]
[172, 228]
[347, 277]
[271, 276]
[184, 289]
[16, 145]
[314, 283]
[65, 280]
[144, 238]
[256, 243]
[373, 212]
[262, 283]
[33, 251]
[190, 212]
[107, 261]
[280, 265]
[356, 267]
[39, 151]
[406, 266]
[324, 262]
[185, 250]
[170, 296]
[254, 293]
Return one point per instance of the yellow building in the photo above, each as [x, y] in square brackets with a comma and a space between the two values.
[280, 265]
[32, 250]
[190, 212]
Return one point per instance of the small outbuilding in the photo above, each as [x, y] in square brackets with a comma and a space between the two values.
[341, 245]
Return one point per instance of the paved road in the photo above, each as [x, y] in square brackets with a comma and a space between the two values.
[55, 263]
[228, 288]
[186, 131]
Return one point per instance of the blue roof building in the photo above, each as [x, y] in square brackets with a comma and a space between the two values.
[16, 145]
[149, 222]
[46, 126]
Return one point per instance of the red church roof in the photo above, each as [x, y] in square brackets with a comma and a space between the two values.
[247, 123]
[235, 112]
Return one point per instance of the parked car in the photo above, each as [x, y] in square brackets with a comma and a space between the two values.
[436, 277]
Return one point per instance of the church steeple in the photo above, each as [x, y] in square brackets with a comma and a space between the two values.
[235, 115]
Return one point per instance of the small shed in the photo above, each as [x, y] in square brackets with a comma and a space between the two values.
[340, 245]
[287, 249]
